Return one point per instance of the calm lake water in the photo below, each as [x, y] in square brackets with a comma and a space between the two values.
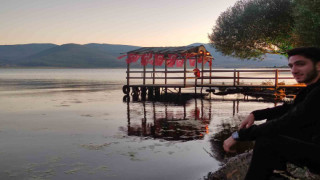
[73, 124]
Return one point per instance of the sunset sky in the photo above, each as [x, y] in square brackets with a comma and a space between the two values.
[130, 22]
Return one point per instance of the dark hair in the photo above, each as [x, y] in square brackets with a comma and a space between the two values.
[312, 53]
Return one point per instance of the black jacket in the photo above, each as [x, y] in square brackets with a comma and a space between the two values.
[300, 120]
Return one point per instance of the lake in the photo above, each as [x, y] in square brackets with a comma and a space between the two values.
[74, 124]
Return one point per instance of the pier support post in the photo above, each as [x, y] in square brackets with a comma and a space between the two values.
[276, 78]
[202, 67]
[150, 92]
[165, 75]
[143, 93]
[196, 78]
[210, 64]
[157, 92]
[234, 77]
[144, 74]
[154, 70]
[185, 72]
[128, 74]
[238, 78]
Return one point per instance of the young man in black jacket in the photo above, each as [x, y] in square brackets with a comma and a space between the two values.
[292, 131]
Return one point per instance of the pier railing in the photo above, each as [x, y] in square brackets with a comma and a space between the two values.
[212, 77]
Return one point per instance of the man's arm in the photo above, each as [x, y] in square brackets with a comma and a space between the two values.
[268, 113]
[230, 142]
[300, 116]
[271, 113]
[248, 131]
[247, 122]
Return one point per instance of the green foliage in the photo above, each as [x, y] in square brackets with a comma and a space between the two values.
[252, 28]
[307, 22]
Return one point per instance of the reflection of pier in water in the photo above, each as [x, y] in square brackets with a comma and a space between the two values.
[168, 121]
[187, 120]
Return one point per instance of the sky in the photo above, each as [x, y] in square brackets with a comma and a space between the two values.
[130, 22]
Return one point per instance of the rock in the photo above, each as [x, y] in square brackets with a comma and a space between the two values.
[302, 173]
[236, 168]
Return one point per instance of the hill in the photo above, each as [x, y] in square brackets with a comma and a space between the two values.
[10, 53]
[76, 56]
[104, 56]
[67, 55]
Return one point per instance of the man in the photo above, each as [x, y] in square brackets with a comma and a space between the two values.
[292, 131]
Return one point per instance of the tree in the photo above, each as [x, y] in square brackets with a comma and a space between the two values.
[306, 29]
[252, 28]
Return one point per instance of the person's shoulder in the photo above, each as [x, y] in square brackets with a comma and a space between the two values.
[314, 93]
[315, 87]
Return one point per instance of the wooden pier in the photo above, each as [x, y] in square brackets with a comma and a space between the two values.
[201, 76]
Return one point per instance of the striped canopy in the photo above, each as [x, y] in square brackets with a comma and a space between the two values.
[170, 50]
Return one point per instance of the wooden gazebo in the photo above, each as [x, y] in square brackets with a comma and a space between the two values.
[162, 59]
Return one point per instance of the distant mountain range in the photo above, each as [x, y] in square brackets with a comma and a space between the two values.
[104, 56]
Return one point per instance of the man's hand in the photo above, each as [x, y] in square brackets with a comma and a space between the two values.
[247, 122]
[228, 144]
